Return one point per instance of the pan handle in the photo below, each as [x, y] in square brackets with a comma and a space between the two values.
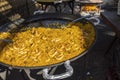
[38, 12]
[97, 21]
[57, 1]
[68, 73]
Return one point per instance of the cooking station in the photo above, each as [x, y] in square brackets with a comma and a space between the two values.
[84, 4]
[56, 4]
[92, 66]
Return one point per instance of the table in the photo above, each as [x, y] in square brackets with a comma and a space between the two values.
[113, 20]
[56, 5]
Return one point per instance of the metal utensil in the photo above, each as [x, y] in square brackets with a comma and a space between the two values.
[81, 18]
[78, 19]
[6, 40]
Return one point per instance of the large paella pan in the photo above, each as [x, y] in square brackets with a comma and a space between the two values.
[47, 40]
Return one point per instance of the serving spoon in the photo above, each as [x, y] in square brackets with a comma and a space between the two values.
[78, 19]
[69, 24]
[81, 18]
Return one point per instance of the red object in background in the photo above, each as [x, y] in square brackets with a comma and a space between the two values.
[112, 74]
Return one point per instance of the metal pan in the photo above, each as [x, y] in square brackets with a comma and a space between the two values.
[44, 19]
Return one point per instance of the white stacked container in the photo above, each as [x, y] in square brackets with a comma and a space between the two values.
[118, 11]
